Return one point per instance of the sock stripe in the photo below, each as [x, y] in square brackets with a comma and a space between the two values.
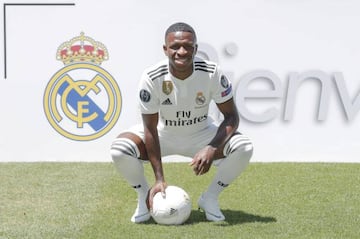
[125, 146]
[236, 142]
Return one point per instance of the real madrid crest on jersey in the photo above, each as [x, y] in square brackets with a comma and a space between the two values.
[200, 98]
[82, 101]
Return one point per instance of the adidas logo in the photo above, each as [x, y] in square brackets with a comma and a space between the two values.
[172, 211]
[167, 102]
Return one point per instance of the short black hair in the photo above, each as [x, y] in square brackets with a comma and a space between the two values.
[180, 27]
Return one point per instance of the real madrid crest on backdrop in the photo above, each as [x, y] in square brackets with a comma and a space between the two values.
[82, 101]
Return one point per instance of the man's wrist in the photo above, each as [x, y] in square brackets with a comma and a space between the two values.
[213, 146]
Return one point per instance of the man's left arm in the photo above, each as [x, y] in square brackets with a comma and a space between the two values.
[202, 161]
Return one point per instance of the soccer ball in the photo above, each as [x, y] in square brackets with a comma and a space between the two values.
[174, 209]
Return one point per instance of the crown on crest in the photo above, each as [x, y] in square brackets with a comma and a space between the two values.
[82, 49]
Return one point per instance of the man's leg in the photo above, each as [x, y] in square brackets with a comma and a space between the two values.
[126, 151]
[237, 152]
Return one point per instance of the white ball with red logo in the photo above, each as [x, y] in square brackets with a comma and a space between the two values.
[174, 209]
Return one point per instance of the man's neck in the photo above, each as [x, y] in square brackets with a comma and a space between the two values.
[181, 75]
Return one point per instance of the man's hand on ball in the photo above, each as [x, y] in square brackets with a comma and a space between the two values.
[157, 187]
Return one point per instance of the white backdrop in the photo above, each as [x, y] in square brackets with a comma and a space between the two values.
[289, 40]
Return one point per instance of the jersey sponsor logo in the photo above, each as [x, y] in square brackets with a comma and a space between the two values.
[167, 87]
[184, 118]
[82, 101]
[200, 98]
[167, 102]
[185, 122]
[145, 96]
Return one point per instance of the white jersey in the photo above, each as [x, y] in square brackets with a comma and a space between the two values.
[183, 105]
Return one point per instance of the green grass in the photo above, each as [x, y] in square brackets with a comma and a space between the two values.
[90, 200]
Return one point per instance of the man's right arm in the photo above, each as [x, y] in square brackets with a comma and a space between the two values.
[152, 146]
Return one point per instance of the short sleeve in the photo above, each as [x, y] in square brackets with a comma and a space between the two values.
[221, 87]
[148, 96]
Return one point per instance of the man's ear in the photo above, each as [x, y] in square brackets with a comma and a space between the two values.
[165, 50]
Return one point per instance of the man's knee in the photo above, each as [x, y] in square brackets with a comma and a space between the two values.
[128, 144]
[239, 142]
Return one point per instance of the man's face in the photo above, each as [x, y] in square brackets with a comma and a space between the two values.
[180, 47]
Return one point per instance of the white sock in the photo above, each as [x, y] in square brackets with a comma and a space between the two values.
[124, 154]
[230, 167]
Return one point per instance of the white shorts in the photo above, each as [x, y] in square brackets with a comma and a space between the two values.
[186, 146]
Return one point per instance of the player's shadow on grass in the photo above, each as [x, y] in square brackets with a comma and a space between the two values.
[232, 217]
